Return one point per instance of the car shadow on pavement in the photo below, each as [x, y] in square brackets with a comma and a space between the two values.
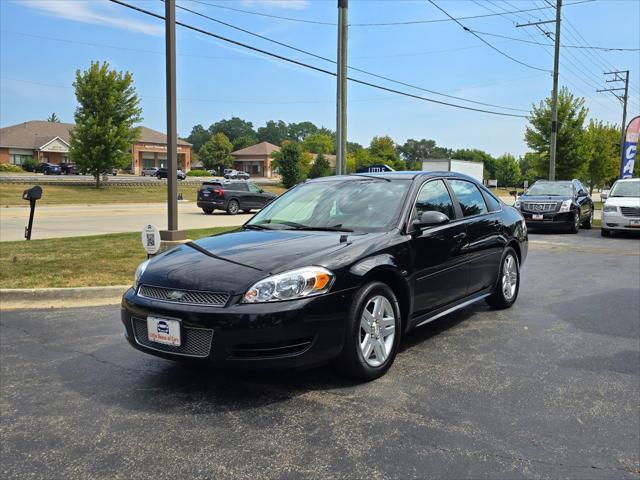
[122, 377]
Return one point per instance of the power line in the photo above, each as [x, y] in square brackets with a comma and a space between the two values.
[486, 42]
[313, 67]
[333, 62]
[607, 49]
[374, 24]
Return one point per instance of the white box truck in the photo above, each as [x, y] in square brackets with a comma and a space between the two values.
[473, 169]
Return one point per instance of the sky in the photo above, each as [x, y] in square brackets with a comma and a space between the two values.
[44, 42]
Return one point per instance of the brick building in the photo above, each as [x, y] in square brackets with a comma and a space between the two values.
[49, 142]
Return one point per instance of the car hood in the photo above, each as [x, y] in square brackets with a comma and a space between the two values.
[249, 255]
[623, 201]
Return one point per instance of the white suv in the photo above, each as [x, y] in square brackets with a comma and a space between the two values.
[621, 211]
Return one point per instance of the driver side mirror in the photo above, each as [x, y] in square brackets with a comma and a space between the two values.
[431, 218]
[603, 196]
[582, 193]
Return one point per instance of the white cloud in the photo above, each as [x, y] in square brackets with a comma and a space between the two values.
[286, 4]
[97, 13]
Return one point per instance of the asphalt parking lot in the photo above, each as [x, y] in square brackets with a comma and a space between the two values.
[547, 389]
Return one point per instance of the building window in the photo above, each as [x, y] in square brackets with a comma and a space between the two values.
[16, 159]
[149, 162]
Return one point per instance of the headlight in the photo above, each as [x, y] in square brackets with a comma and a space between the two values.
[566, 206]
[299, 283]
[610, 209]
[517, 204]
[139, 271]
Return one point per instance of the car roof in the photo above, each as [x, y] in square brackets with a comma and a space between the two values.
[403, 175]
[628, 180]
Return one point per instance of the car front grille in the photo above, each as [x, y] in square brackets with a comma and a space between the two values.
[187, 297]
[630, 211]
[196, 342]
[539, 207]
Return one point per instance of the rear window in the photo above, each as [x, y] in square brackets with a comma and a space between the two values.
[238, 187]
[470, 198]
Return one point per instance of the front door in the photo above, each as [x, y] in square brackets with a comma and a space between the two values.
[439, 258]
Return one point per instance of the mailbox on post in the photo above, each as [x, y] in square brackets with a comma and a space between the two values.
[32, 194]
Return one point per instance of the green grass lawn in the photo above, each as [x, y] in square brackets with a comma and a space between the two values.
[11, 193]
[78, 261]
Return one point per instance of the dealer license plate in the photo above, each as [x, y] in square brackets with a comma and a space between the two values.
[163, 330]
[537, 217]
[634, 223]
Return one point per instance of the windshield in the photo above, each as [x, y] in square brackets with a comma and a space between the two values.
[551, 189]
[365, 205]
[626, 189]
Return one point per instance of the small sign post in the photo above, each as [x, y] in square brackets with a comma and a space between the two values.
[32, 194]
[150, 239]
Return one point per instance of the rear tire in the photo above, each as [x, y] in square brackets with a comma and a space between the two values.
[232, 207]
[507, 287]
[207, 211]
[605, 232]
[373, 332]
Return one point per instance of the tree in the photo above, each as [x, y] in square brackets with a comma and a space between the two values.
[320, 167]
[53, 118]
[244, 141]
[602, 153]
[233, 129]
[352, 147]
[273, 132]
[300, 131]
[571, 116]
[216, 153]
[108, 108]
[414, 152]
[507, 171]
[289, 162]
[198, 137]
[383, 150]
[528, 169]
[318, 143]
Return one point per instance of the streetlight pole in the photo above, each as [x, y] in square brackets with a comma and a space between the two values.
[172, 233]
[341, 97]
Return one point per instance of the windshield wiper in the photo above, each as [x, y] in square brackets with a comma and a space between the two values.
[255, 226]
[334, 228]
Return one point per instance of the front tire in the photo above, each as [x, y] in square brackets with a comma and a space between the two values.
[589, 221]
[232, 207]
[373, 333]
[575, 226]
[507, 287]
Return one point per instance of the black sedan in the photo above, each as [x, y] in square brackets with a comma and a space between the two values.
[337, 268]
[164, 173]
[558, 204]
[48, 168]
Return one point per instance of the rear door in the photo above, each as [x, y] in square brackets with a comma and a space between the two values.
[256, 198]
[439, 260]
[484, 245]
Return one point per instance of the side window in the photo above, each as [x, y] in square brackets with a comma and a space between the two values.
[492, 202]
[435, 196]
[253, 188]
[470, 198]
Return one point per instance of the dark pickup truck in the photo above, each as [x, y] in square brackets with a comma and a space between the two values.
[232, 196]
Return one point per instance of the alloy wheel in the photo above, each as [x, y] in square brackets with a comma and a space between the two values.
[377, 330]
[509, 277]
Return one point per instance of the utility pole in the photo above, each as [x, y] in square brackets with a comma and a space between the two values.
[341, 97]
[172, 233]
[620, 76]
[554, 91]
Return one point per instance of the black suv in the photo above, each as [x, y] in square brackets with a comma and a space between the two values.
[232, 196]
[556, 204]
[164, 173]
[69, 169]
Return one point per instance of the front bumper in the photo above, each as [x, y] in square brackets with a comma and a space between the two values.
[549, 220]
[290, 334]
[617, 221]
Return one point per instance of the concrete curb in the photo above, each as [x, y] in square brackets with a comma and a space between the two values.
[32, 298]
